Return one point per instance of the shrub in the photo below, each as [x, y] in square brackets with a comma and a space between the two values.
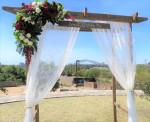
[105, 74]
[95, 73]
[70, 71]
[106, 80]
[65, 85]
[12, 73]
[56, 86]
[146, 89]
[142, 74]
[80, 72]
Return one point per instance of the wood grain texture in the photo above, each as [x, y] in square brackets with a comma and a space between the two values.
[114, 98]
[121, 107]
[84, 24]
[91, 16]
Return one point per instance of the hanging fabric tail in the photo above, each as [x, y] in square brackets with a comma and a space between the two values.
[132, 117]
[28, 115]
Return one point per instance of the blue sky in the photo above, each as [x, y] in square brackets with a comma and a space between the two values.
[86, 46]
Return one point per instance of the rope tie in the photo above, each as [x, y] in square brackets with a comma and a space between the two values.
[26, 108]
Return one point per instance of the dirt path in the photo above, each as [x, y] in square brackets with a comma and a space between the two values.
[21, 97]
[13, 90]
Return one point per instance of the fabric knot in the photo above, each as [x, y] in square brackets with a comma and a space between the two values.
[26, 108]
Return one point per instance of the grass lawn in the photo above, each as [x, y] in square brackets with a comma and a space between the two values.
[76, 109]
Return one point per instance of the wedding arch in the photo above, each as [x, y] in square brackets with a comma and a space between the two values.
[114, 36]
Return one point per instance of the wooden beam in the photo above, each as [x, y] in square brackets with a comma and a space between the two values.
[84, 24]
[91, 16]
[114, 99]
[12, 10]
[121, 107]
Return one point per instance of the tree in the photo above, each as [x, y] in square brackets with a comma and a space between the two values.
[141, 68]
[142, 74]
[95, 73]
[146, 89]
[12, 73]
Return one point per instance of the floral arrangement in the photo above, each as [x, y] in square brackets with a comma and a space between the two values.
[29, 24]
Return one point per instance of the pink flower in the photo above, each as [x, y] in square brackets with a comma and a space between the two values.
[70, 17]
[45, 5]
[27, 8]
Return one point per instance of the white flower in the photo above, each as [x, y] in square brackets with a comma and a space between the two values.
[30, 43]
[64, 12]
[21, 37]
[26, 40]
[29, 18]
[28, 35]
[36, 6]
[38, 10]
[23, 18]
[58, 8]
[33, 23]
[26, 19]
[21, 34]
[39, 3]
[34, 3]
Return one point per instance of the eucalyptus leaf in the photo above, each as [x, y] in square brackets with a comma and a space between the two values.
[16, 37]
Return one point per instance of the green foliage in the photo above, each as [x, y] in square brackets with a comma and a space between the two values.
[142, 74]
[95, 73]
[106, 80]
[146, 89]
[141, 68]
[65, 85]
[4, 90]
[80, 72]
[70, 71]
[105, 74]
[19, 15]
[12, 73]
[56, 86]
[45, 1]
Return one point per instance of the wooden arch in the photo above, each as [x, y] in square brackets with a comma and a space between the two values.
[86, 26]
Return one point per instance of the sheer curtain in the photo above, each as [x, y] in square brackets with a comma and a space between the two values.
[117, 46]
[47, 64]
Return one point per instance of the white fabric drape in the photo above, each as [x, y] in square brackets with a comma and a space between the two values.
[117, 46]
[47, 64]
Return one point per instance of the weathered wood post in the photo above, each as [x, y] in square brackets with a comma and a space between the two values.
[114, 98]
[76, 69]
[37, 113]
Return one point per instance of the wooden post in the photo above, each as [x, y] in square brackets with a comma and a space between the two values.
[85, 12]
[37, 113]
[76, 69]
[114, 98]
